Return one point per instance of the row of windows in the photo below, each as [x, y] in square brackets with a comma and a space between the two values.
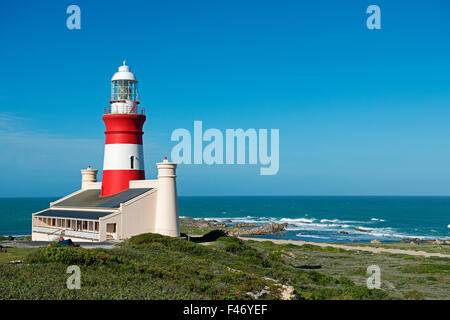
[76, 225]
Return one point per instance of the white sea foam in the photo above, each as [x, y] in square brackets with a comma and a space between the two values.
[311, 236]
[343, 221]
[301, 220]
[327, 220]
[364, 228]
[330, 227]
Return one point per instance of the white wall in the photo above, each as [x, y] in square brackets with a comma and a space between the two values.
[138, 215]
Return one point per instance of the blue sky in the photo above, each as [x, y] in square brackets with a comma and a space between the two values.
[360, 112]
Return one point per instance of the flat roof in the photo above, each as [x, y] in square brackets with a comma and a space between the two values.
[92, 199]
[74, 214]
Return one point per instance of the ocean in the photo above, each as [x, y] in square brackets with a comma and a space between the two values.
[319, 218]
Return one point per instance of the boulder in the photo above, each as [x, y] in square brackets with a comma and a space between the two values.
[259, 295]
[363, 230]
[269, 228]
[245, 225]
[375, 242]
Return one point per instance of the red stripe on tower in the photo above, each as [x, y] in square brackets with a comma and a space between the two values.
[124, 157]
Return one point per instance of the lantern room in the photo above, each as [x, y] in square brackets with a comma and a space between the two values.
[124, 93]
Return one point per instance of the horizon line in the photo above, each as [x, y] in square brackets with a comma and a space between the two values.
[263, 195]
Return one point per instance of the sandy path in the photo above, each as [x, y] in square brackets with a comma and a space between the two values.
[342, 246]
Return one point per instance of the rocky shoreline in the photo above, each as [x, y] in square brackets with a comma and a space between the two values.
[238, 229]
[248, 229]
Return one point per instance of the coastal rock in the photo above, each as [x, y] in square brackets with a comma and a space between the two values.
[270, 228]
[288, 253]
[287, 292]
[242, 229]
[363, 230]
[200, 223]
[259, 295]
[375, 242]
[194, 222]
[245, 225]
[415, 240]
[343, 232]
[437, 242]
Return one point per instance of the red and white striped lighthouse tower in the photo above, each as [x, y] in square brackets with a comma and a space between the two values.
[124, 156]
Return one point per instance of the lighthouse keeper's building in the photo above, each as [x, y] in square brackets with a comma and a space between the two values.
[124, 203]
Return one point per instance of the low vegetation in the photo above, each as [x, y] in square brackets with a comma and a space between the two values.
[151, 266]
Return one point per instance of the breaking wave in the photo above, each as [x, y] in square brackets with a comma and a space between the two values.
[333, 229]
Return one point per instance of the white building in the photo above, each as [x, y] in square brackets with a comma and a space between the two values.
[126, 204]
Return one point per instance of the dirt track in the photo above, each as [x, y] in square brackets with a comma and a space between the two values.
[360, 248]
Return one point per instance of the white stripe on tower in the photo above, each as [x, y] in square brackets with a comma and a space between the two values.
[118, 157]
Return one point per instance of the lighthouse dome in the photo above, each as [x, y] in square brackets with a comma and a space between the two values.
[124, 73]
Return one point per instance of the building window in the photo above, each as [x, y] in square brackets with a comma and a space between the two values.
[85, 225]
[53, 222]
[96, 226]
[111, 228]
[132, 162]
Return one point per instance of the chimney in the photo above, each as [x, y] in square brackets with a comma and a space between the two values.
[87, 176]
[166, 219]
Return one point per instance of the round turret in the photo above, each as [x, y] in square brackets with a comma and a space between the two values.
[124, 92]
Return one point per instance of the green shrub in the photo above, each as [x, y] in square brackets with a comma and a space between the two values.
[229, 239]
[364, 293]
[168, 242]
[414, 295]
[239, 247]
[234, 247]
[275, 256]
[7, 238]
[267, 244]
[72, 255]
[426, 268]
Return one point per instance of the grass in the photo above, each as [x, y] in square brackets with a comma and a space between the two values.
[192, 230]
[426, 247]
[400, 274]
[15, 254]
[427, 268]
[151, 266]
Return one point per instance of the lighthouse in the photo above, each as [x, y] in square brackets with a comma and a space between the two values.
[124, 119]
[124, 203]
